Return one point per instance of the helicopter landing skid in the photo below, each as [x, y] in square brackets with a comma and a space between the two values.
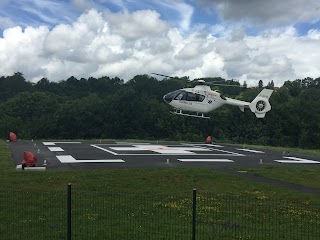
[179, 112]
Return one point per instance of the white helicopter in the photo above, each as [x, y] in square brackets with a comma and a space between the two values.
[201, 99]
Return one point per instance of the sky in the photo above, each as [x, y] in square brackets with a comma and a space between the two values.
[244, 40]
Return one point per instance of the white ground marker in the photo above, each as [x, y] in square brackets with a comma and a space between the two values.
[54, 143]
[56, 149]
[70, 159]
[203, 160]
[296, 160]
[206, 145]
[131, 143]
[249, 150]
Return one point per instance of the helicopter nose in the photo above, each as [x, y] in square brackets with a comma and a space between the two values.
[168, 98]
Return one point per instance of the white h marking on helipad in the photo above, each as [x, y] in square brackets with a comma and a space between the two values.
[186, 149]
[159, 149]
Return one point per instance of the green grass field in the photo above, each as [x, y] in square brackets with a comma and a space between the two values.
[304, 176]
[156, 203]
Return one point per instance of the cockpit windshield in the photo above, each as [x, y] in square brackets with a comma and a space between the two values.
[168, 97]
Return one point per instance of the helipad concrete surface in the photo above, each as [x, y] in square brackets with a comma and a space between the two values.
[90, 155]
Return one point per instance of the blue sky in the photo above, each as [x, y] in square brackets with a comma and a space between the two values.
[50, 13]
[241, 39]
[183, 14]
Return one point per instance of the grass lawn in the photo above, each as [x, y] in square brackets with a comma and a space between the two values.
[305, 176]
[152, 204]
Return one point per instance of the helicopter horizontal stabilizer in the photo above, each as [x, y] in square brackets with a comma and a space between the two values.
[260, 105]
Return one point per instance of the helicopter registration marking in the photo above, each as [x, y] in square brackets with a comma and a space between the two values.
[185, 102]
[263, 96]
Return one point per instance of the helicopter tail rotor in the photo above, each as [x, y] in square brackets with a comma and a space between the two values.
[260, 105]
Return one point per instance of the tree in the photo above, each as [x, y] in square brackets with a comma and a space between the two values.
[270, 85]
[11, 85]
[294, 87]
[244, 86]
[109, 108]
[33, 114]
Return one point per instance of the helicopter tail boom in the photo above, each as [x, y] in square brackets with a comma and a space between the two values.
[260, 105]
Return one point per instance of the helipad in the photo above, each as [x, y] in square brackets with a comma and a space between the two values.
[81, 155]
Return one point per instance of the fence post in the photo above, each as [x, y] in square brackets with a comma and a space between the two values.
[69, 212]
[194, 212]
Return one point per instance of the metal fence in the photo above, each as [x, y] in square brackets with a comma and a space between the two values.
[92, 214]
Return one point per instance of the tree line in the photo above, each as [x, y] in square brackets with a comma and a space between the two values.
[106, 107]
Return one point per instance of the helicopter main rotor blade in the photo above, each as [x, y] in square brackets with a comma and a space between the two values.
[198, 80]
[201, 81]
[162, 75]
[227, 85]
[195, 80]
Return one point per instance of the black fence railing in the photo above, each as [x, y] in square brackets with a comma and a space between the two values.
[91, 214]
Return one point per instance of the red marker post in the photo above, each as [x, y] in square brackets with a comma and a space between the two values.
[13, 137]
[29, 160]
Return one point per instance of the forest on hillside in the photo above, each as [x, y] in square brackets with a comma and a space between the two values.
[106, 107]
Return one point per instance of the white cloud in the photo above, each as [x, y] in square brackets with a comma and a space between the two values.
[26, 13]
[83, 4]
[290, 56]
[137, 24]
[314, 34]
[266, 12]
[126, 44]
[21, 51]
[40, 14]
[184, 10]
[6, 22]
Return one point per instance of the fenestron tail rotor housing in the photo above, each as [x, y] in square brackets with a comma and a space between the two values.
[261, 105]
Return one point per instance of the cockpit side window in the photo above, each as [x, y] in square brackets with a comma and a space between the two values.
[181, 96]
[201, 98]
[195, 97]
[191, 97]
